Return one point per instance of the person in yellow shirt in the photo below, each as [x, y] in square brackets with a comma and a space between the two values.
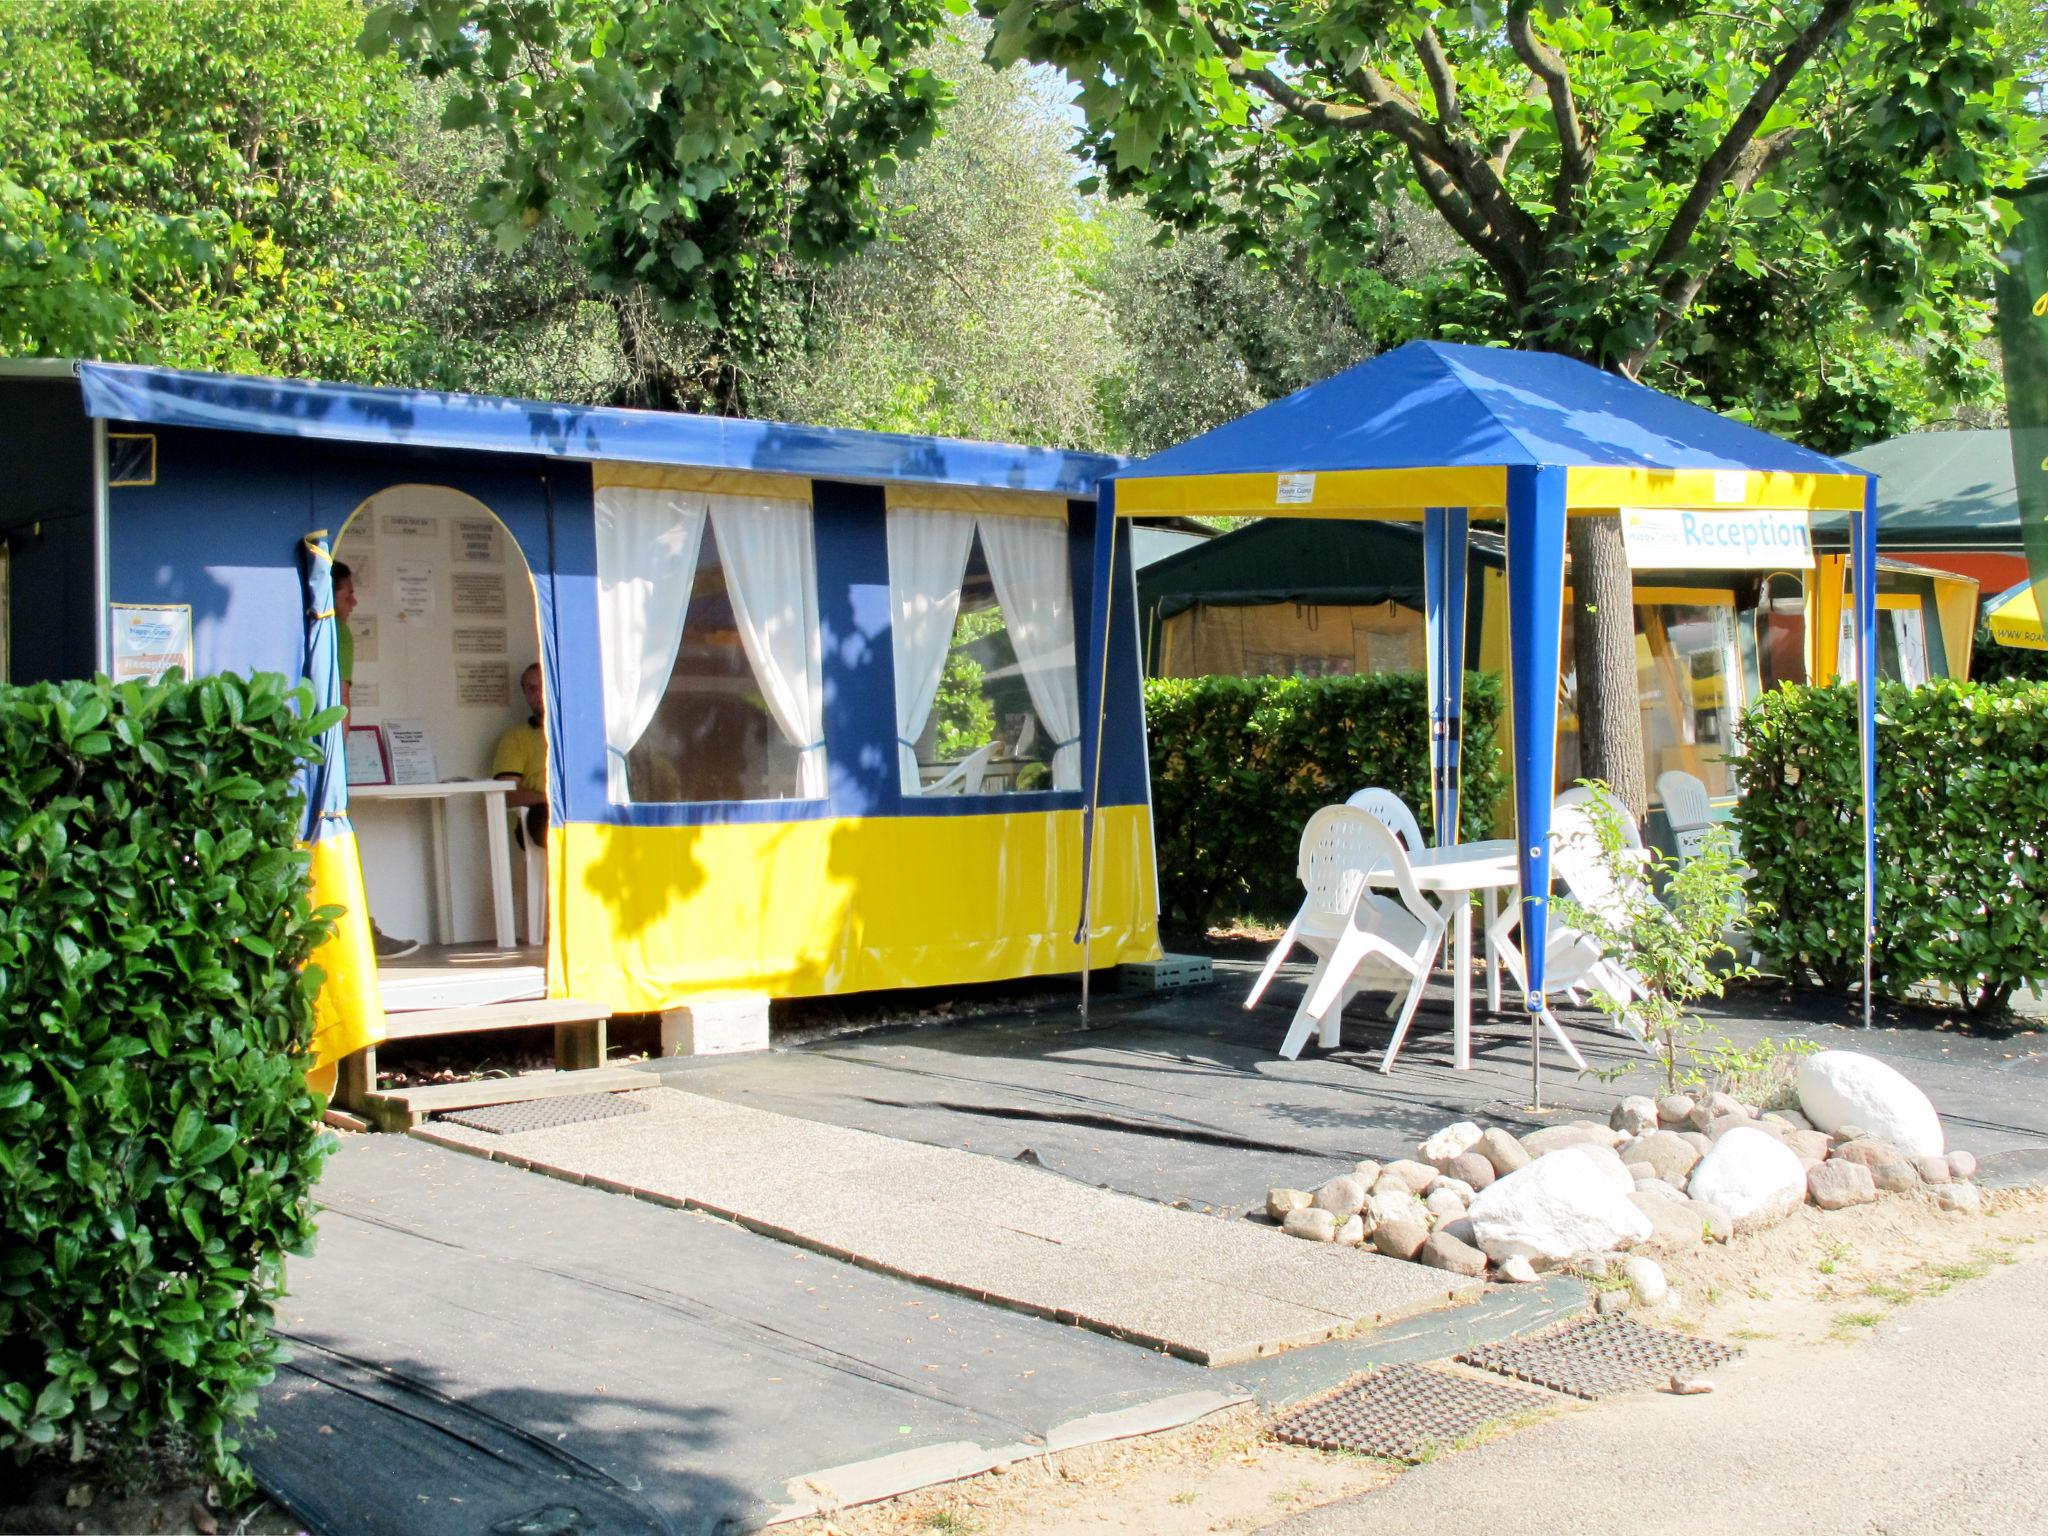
[522, 756]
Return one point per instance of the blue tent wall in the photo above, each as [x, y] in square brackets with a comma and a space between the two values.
[220, 530]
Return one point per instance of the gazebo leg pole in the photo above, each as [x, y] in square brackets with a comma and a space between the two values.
[1099, 601]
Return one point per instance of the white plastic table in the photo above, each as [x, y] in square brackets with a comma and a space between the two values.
[490, 794]
[1451, 875]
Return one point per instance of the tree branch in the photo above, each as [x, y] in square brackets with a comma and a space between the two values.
[1575, 159]
[1721, 165]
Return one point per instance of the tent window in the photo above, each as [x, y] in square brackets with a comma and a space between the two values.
[708, 607]
[987, 700]
[1781, 631]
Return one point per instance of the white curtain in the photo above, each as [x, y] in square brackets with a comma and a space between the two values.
[647, 543]
[1027, 559]
[927, 559]
[772, 580]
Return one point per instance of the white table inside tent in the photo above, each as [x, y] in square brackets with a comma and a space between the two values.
[490, 794]
[1453, 874]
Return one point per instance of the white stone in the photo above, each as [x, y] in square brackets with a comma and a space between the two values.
[1458, 1187]
[1352, 1233]
[1383, 1208]
[1646, 1279]
[1608, 1161]
[1634, 1114]
[1449, 1143]
[1444, 1206]
[1554, 1209]
[1343, 1195]
[1752, 1176]
[1838, 1088]
[1958, 1197]
[1280, 1201]
[1516, 1271]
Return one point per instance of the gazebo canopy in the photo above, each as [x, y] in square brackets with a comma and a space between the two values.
[1439, 424]
[1445, 433]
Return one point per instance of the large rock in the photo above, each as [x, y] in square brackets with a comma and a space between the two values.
[1472, 1168]
[1442, 1251]
[1607, 1160]
[1343, 1195]
[1752, 1176]
[1670, 1154]
[1831, 1186]
[1554, 1210]
[1675, 1223]
[1311, 1223]
[1280, 1201]
[1838, 1088]
[1401, 1239]
[1501, 1149]
[1634, 1115]
[1447, 1143]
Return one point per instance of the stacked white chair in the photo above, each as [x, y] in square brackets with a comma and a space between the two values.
[1353, 928]
[1686, 808]
[1391, 812]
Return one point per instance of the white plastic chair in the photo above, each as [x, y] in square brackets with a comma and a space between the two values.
[1687, 809]
[965, 776]
[1584, 795]
[1352, 927]
[1391, 812]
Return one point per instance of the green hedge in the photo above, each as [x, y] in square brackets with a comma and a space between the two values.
[158, 1144]
[1240, 763]
[1962, 834]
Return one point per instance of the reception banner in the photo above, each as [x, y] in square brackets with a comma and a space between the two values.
[1748, 539]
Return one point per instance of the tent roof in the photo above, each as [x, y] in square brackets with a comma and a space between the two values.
[488, 424]
[1940, 490]
[1431, 403]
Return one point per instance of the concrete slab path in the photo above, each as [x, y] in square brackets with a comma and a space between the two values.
[1213, 1292]
[479, 1349]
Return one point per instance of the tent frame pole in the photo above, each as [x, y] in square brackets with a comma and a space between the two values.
[1863, 536]
[1104, 573]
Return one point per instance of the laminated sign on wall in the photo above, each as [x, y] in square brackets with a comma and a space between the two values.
[150, 639]
[1751, 539]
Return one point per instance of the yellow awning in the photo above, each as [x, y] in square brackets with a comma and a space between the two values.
[2015, 618]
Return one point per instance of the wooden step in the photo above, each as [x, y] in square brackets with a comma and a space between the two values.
[428, 1023]
[400, 1109]
[579, 1040]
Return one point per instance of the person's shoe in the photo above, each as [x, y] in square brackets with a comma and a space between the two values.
[388, 948]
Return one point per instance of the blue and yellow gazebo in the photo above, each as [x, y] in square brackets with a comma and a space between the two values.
[1446, 434]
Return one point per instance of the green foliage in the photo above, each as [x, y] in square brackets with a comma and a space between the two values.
[1239, 764]
[1690, 180]
[687, 145]
[206, 184]
[1962, 835]
[1991, 662]
[1675, 947]
[158, 1144]
[966, 719]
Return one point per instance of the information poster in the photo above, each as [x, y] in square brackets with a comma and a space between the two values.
[483, 684]
[477, 593]
[406, 525]
[150, 639]
[364, 750]
[479, 640]
[412, 753]
[412, 589]
[475, 540]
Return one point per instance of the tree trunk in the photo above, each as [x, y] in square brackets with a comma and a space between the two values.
[1604, 650]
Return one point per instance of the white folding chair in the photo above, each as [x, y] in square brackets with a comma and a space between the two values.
[1585, 795]
[1351, 927]
[1391, 812]
[1687, 809]
[965, 776]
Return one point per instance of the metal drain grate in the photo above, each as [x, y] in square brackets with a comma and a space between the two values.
[1402, 1411]
[1600, 1357]
[546, 1114]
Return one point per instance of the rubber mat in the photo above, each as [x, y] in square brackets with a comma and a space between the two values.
[1600, 1357]
[546, 1114]
[1404, 1412]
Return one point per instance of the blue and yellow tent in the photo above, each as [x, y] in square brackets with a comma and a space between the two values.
[1445, 434]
